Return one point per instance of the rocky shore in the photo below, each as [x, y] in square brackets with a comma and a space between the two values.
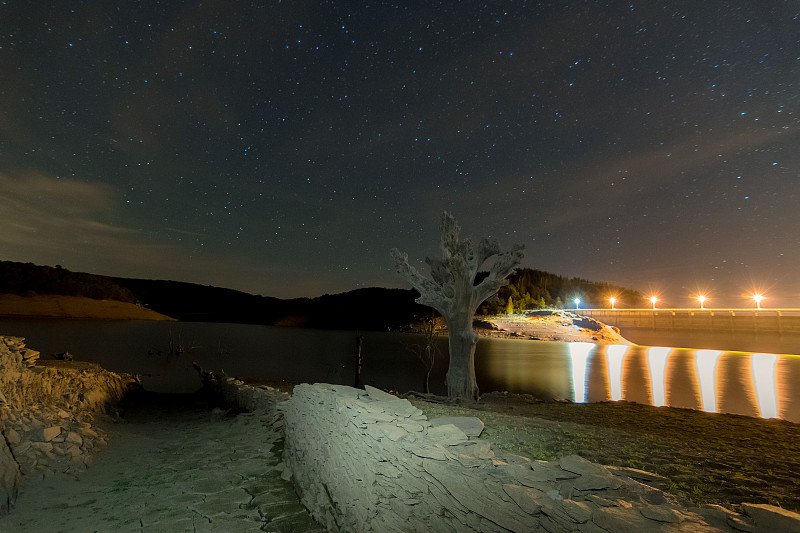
[549, 325]
[48, 411]
[360, 460]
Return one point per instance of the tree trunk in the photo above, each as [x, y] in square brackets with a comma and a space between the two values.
[461, 382]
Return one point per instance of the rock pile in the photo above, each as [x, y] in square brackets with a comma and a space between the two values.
[369, 461]
[236, 393]
[47, 412]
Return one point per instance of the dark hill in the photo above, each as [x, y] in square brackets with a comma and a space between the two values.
[26, 279]
[363, 309]
[367, 309]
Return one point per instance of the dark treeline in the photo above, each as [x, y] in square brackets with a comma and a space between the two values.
[374, 309]
[27, 279]
[536, 289]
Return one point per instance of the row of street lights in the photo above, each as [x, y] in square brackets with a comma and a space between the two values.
[653, 299]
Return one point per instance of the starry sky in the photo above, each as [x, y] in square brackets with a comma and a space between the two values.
[283, 147]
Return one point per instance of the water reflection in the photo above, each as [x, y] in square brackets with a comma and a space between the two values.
[763, 366]
[578, 357]
[615, 355]
[657, 366]
[706, 363]
[752, 384]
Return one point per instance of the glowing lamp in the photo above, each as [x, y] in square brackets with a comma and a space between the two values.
[613, 301]
[702, 301]
[653, 300]
[577, 303]
[758, 298]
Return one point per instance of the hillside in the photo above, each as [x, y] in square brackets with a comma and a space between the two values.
[27, 279]
[58, 306]
[375, 309]
[530, 289]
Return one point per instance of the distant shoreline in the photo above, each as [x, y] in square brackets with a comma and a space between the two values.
[73, 307]
[561, 326]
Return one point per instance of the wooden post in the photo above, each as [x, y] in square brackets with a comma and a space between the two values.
[359, 343]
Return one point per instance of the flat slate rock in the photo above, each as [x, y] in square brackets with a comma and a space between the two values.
[377, 394]
[471, 426]
[769, 517]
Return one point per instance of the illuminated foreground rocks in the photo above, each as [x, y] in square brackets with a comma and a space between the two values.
[47, 414]
[369, 461]
[174, 465]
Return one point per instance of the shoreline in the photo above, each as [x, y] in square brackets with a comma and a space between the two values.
[45, 306]
[558, 326]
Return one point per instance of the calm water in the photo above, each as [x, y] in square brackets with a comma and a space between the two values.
[748, 383]
[717, 340]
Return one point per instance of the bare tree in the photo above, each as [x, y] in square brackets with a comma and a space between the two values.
[427, 351]
[452, 292]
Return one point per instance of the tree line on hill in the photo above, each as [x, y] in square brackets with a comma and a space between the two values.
[369, 309]
[535, 289]
[27, 279]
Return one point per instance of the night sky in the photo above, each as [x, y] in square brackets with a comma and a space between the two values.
[282, 148]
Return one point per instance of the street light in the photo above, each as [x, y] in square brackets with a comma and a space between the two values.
[758, 298]
[702, 301]
[653, 299]
[613, 301]
[577, 303]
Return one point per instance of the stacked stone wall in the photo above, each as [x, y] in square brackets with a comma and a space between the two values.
[47, 411]
[368, 461]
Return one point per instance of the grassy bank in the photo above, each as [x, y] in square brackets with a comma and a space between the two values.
[707, 458]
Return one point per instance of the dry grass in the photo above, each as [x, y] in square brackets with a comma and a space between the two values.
[51, 306]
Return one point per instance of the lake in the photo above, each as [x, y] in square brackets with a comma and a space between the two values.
[747, 383]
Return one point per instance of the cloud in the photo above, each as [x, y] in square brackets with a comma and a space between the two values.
[36, 209]
[48, 220]
[51, 220]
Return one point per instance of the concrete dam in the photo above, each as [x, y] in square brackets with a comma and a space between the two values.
[716, 320]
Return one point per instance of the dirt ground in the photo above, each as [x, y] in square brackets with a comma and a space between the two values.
[51, 306]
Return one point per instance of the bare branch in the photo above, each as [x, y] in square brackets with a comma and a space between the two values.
[431, 293]
[449, 234]
[502, 267]
[487, 248]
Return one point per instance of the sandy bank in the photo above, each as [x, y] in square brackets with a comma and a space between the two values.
[54, 306]
[552, 326]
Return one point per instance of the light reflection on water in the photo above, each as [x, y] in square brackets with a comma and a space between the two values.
[711, 380]
[578, 355]
[764, 366]
[706, 363]
[752, 384]
[657, 365]
[615, 355]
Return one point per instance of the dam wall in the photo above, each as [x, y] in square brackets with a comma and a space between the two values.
[716, 320]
